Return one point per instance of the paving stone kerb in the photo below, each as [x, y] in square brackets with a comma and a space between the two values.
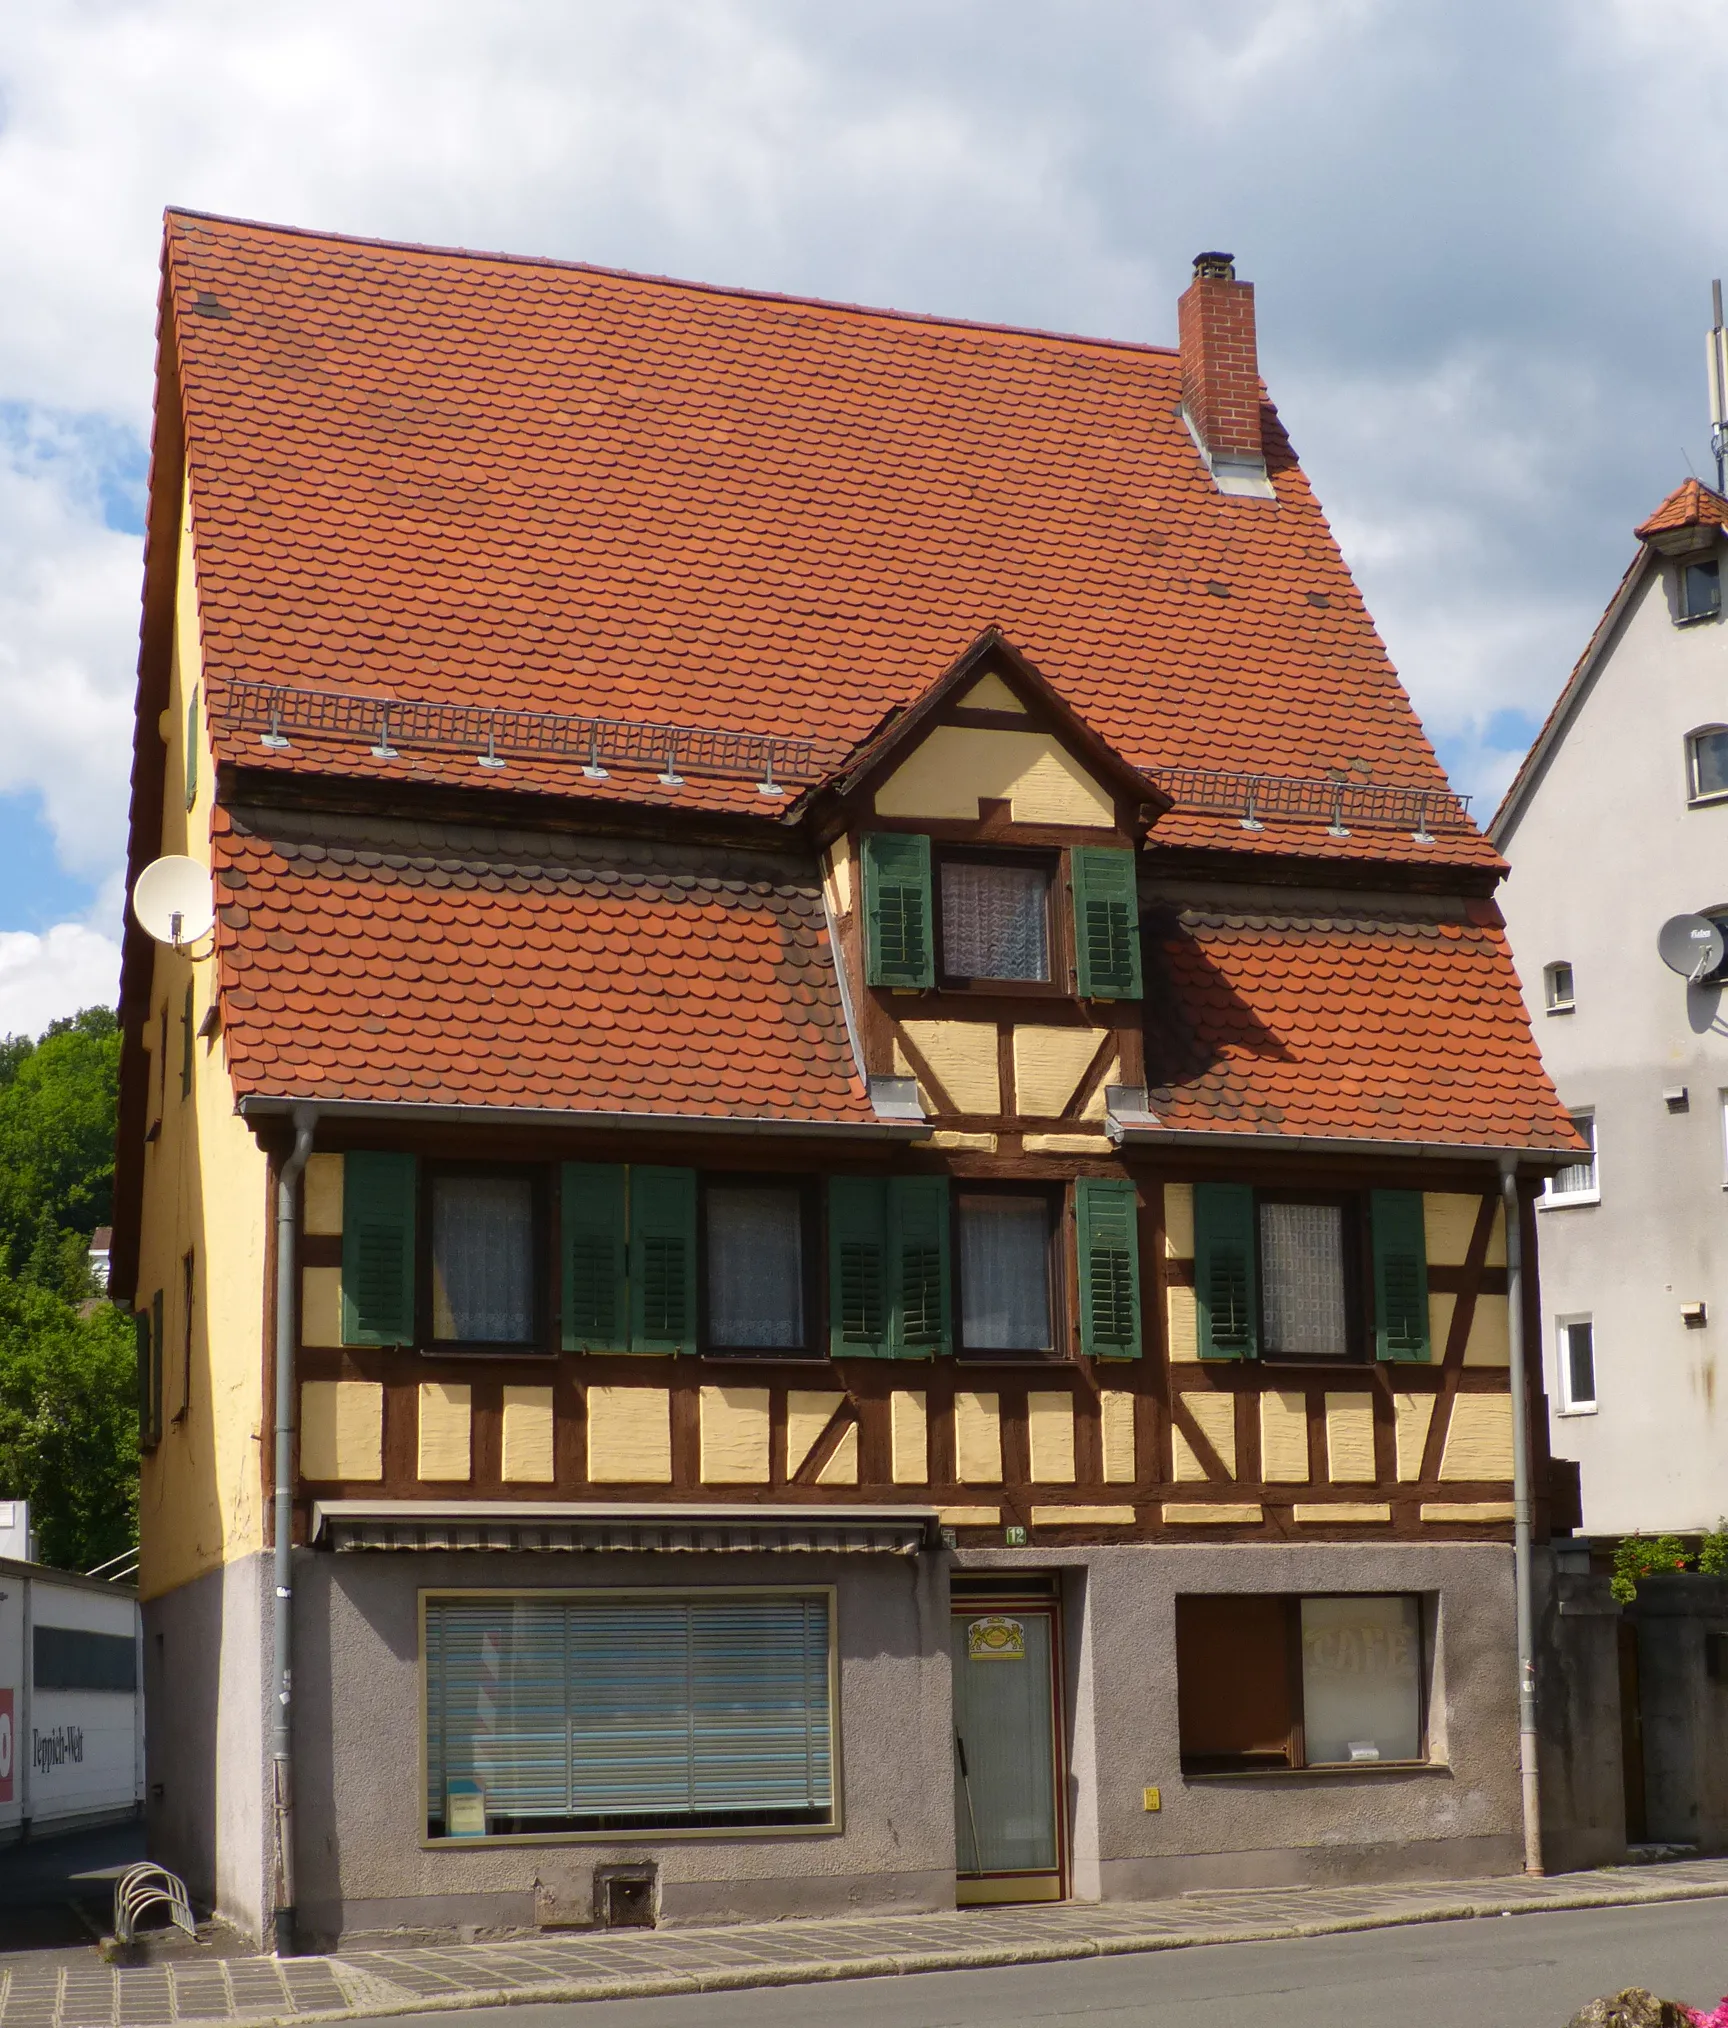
[360, 1985]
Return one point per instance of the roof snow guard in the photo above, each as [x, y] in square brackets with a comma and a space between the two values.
[510, 1525]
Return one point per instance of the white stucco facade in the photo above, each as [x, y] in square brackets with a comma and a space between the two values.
[1605, 844]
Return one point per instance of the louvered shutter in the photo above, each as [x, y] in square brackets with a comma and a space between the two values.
[858, 1320]
[1106, 923]
[596, 1300]
[1105, 1220]
[899, 910]
[918, 1234]
[1400, 1275]
[378, 1193]
[662, 1260]
[1224, 1278]
[630, 1714]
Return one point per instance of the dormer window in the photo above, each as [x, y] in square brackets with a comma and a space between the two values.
[1700, 590]
[995, 918]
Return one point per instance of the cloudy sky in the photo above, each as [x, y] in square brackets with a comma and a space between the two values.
[1483, 237]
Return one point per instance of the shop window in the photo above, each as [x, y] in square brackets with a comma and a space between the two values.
[1007, 1283]
[1273, 1681]
[629, 1713]
[995, 919]
[755, 1267]
[483, 1251]
[1576, 1347]
[1579, 1182]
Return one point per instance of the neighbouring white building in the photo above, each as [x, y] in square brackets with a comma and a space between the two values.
[1616, 823]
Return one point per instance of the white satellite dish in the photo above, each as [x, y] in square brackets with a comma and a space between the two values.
[1691, 945]
[172, 902]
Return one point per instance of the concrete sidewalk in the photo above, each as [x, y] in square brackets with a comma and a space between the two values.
[633, 1963]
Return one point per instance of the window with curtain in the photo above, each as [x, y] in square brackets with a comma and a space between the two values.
[638, 1712]
[756, 1266]
[1005, 1279]
[483, 1260]
[995, 920]
[1304, 1308]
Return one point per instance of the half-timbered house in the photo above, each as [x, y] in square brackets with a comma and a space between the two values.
[848, 1115]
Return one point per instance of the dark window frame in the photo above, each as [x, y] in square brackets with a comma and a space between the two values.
[1358, 1279]
[1686, 614]
[546, 1296]
[1058, 922]
[1060, 1253]
[1296, 1759]
[1697, 796]
[813, 1258]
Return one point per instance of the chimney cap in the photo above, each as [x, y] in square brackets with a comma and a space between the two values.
[1218, 267]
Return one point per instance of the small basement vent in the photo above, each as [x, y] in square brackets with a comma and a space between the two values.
[626, 1897]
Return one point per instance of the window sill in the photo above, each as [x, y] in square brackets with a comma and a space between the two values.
[1329, 1771]
[1706, 802]
[1696, 619]
[1569, 1200]
[1571, 1007]
[1583, 1408]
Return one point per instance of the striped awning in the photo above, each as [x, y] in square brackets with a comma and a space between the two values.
[349, 1525]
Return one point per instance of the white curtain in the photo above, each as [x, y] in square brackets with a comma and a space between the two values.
[1302, 1280]
[483, 1259]
[755, 1267]
[993, 921]
[1005, 1272]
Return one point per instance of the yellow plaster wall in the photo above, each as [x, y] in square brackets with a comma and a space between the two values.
[629, 1435]
[1449, 1218]
[528, 1436]
[446, 1430]
[958, 766]
[321, 1306]
[808, 1413]
[342, 1430]
[1178, 1221]
[963, 1056]
[1350, 1439]
[909, 1437]
[321, 1197]
[842, 1468]
[1342, 1510]
[977, 1438]
[734, 1436]
[1050, 1436]
[1215, 1416]
[1284, 1437]
[1478, 1438]
[205, 1189]
[1206, 1514]
[1048, 1064]
[990, 693]
[1183, 1323]
[1116, 1421]
[1412, 1413]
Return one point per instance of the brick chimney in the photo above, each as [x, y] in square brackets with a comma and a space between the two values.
[1221, 375]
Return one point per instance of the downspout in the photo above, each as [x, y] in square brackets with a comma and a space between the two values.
[1523, 1576]
[282, 1621]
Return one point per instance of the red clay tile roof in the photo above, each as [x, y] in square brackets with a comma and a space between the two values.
[1352, 1024]
[483, 480]
[1690, 506]
[365, 960]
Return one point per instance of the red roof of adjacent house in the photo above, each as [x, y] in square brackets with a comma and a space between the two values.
[1352, 1024]
[370, 961]
[478, 480]
[1690, 506]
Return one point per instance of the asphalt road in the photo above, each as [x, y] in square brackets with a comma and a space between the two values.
[1526, 1971]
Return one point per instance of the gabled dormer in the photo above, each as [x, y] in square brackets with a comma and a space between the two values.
[981, 868]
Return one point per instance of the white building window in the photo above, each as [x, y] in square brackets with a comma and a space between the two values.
[1700, 590]
[1707, 764]
[1575, 1351]
[1557, 990]
[1579, 1182]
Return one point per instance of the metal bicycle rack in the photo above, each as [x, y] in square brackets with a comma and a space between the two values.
[142, 1887]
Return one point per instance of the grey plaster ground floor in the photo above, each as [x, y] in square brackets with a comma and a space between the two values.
[367, 1868]
[639, 1966]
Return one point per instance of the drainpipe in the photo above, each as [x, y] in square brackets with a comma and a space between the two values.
[1523, 1577]
[282, 1729]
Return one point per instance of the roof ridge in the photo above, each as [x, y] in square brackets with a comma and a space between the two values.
[739, 292]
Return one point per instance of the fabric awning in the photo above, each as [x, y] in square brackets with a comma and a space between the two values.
[348, 1525]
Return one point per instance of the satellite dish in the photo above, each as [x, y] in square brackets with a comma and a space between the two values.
[1691, 945]
[171, 900]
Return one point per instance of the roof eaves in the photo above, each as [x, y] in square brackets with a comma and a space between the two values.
[1346, 1144]
[410, 1112]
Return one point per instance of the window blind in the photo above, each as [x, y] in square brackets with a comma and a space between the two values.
[630, 1714]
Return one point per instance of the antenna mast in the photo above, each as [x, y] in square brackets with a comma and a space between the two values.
[1718, 393]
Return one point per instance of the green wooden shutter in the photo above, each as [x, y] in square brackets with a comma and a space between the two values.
[1400, 1275]
[1106, 923]
[918, 1233]
[858, 1325]
[662, 1260]
[596, 1297]
[1224, 1277]
[192, 748]
[1105, 1217]
[899, 910]
[378, 1215]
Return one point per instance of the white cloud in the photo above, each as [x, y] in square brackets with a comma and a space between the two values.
[44, 977]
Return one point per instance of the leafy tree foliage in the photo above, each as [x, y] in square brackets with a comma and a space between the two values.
[68, 1406]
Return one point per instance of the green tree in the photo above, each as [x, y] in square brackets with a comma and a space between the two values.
[58, 1099]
